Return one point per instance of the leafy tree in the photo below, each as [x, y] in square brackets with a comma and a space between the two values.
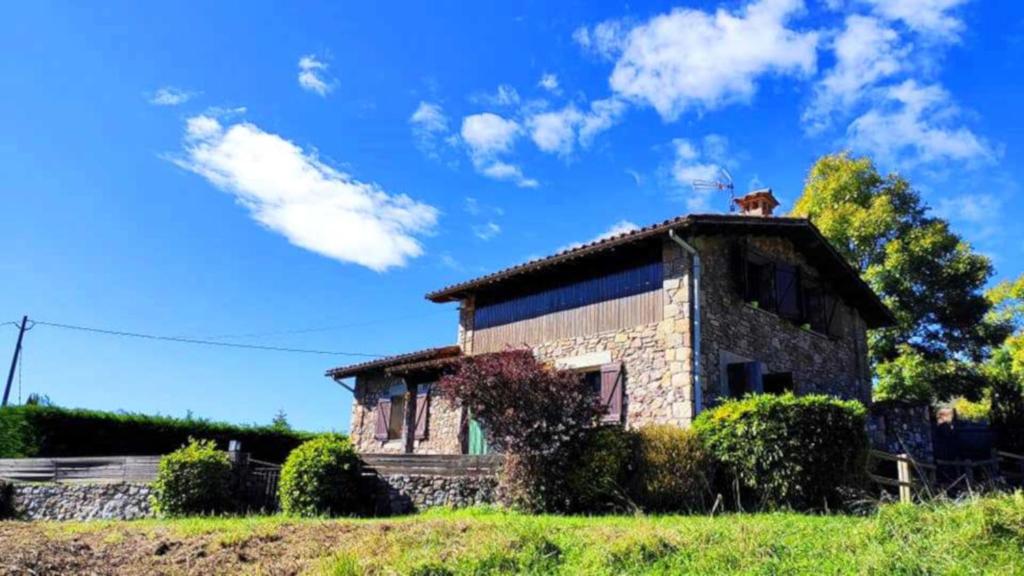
[929, 277]
[1005, 370]
[535, 414]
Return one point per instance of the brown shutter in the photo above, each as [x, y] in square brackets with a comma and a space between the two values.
[422, 412]
[611, 391]
[380, 431]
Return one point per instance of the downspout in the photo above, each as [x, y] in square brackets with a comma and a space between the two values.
[698, 388]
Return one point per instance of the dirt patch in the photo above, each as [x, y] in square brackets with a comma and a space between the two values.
[46, 549]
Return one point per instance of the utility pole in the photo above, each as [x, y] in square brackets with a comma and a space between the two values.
[14, 361]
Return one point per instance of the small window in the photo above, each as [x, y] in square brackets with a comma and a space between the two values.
[396, 420]
[744, 378]
[778, 382]
[593, 380]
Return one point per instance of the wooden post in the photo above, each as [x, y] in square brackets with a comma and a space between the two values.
[903, 474]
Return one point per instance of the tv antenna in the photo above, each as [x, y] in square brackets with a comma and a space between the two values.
[721, 183]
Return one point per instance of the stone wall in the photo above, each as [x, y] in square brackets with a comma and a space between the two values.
[405, 494]
[113, 501]
[444, 421]
[902, 428]
[732, 329]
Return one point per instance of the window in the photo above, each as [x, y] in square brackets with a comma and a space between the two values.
[785, 290]
[777, 382]
[744, 378]
[593, 380]
[391, 414]
[396, 418]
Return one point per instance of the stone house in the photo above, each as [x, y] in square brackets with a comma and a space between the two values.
[665, 321]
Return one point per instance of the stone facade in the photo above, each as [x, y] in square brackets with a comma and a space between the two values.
[835, 365]
[658, 357]
[404, 494]
[114, 501]
[444, 421]
[902, 428]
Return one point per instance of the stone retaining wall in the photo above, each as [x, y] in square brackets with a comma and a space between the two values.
[902, 428]
[404, 494]
[114, 501]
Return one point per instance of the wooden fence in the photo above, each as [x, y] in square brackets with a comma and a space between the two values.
[82, 469]
[944, 476]
[432, 464]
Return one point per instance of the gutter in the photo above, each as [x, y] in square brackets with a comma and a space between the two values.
[698, 388]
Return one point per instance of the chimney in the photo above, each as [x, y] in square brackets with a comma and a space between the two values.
[757, 203]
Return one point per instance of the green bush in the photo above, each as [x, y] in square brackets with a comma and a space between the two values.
[320, 478]
[54, 432]
[194, 479]
[787, 451]
[673, 471]
[598, 475]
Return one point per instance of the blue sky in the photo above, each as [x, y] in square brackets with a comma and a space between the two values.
[300, 175]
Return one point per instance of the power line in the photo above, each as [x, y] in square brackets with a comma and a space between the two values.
[201, 342]
[326, 328]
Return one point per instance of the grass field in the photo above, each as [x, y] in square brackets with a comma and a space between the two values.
[985, 536]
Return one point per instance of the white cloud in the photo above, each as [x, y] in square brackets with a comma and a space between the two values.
[555, 132]
[170, 96]
[558, 131]
[291, 192]
[972, 208]
[606, 39]
[488, 136]
[549, 82]
[692, 59]
[488, 133]
[866, 51]
[505, 95]
[912, 124]
[927, 17]
[620, 227]
[486, 231]
[429, 125]
[312, 75]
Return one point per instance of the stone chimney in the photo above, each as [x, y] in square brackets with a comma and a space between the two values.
[757, 203]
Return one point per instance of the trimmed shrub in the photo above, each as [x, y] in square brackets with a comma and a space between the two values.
[673, 471]
[787, 451]
[599, 472]
[193, 480]
[320, 478]
[54, 432]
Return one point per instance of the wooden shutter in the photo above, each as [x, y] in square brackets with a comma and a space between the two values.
[738, 264]
[612, 381]
[787, 289]
[422, 413]
[380, 431]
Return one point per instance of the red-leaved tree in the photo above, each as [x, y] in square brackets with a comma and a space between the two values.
[531, 412]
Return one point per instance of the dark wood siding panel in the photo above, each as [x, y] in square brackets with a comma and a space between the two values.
[637, 310]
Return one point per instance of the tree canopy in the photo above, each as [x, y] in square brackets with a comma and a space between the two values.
[930, 278]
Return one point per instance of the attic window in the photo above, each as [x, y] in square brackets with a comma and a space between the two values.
[786, 290]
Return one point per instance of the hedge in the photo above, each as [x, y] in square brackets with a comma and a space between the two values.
[54, 432]
[798, 452]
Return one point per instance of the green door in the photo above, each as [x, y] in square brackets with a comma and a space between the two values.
[477, 438]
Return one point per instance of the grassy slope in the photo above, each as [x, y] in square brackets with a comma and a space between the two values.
[984, 537]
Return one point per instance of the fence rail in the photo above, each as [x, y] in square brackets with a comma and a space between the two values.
[81, 469]
[432, 464]
[943, 475]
